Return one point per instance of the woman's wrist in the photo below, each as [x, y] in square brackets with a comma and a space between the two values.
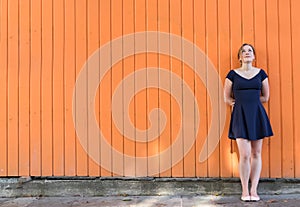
[230, 102]
[263, 99]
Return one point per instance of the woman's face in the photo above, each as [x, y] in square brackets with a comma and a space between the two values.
[247, 54]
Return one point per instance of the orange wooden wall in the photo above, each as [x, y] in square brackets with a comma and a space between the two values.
[44, 45]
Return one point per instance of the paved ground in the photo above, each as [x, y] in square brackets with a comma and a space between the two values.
[143, 192]
[287, 200]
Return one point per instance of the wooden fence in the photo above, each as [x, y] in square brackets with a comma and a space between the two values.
[45, 44]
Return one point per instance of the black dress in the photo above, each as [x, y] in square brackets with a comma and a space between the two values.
[249, 119]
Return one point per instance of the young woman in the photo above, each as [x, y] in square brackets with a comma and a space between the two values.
[246, 88]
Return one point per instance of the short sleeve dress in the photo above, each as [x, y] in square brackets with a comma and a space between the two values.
[249, 119]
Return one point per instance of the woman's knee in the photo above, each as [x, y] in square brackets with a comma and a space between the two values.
[245, 157]
[244, 150]
[256, 154]
[256, 148]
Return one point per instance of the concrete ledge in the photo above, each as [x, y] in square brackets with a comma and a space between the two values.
[90, 186]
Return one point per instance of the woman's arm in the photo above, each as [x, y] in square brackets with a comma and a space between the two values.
[265, 91]
[228, 92]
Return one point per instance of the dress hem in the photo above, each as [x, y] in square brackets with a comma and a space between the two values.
[234, 138]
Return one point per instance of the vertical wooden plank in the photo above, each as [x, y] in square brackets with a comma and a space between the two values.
[140, 104]
[164, 99]
[212, 48]
[295, 22]
[286, 88]
[200, 89]
[3, 86]
[105, 87]
[275, 91]
[13, 88]
[46, 89]
[58, 86]
[247, 21]
[35, 88]
[69, 81]
[189, 78]
[224, 66]
[128, 67]
[260, 39]
[93, 45]
[81, 57]
[24, 41]
[152, 93]
[117, 76]
[235, 31]
[235, 37]
[176, 68]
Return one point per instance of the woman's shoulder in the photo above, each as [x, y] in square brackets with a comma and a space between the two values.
[263, 74]
[235, 69]
[260, 71]
[230, 74]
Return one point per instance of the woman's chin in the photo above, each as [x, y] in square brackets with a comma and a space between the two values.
[247, 61]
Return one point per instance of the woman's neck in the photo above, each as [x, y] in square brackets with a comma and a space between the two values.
[246, 66]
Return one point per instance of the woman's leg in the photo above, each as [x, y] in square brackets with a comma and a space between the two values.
[255, 165]
[244, 147]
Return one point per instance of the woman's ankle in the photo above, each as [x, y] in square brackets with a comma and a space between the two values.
[245, 193]
[253, 193]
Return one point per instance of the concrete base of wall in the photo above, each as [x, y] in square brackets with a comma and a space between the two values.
[87, 186]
